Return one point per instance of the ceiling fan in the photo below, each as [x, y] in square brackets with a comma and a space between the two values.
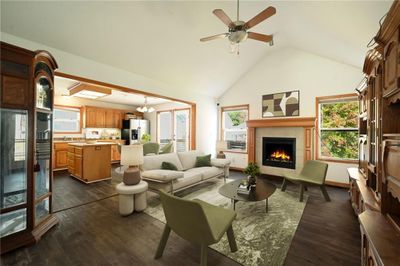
[237, 30]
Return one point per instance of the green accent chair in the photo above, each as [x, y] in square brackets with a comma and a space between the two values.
[196, 221]
[313, 173]
[151, 148]
[167, 148]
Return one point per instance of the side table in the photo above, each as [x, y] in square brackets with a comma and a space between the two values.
[132, 197]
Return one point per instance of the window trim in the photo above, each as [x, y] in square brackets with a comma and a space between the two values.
[328, 99]
[80, 118]
[234, 108]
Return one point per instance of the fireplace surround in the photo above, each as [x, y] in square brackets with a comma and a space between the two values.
[279, 152]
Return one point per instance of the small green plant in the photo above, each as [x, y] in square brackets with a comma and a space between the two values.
[146, 138]
[252, 170]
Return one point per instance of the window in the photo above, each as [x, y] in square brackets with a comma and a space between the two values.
[174, 126]
[338, 128]
[67, 120]
[233, 127]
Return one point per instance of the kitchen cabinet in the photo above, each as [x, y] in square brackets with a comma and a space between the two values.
[96, 117]
[60, 154]
[115, 154]
[90, 162]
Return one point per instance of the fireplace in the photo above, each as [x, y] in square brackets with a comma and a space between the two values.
[279, 152]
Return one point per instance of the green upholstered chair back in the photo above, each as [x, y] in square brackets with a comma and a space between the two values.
[315, 171]
[187, 219]
[151, 147]
[167, 148]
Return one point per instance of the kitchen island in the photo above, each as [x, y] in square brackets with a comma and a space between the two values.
[90, 162]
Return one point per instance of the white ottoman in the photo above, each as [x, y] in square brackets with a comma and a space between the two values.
[132, 197]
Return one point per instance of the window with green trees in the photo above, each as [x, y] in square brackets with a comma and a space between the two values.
[234, 129]
[338, 129]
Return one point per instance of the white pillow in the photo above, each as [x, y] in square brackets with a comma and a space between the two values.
[154, 161]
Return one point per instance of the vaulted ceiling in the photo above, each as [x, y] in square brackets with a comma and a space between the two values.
[160, 40]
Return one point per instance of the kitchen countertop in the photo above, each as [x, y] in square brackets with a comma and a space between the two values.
[84, 141]
[81, 144]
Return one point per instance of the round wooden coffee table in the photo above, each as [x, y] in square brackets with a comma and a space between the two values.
[262, 191]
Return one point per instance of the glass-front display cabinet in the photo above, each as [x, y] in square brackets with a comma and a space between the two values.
[26, 139]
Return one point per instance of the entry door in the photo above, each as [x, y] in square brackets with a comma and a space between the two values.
[174, 125]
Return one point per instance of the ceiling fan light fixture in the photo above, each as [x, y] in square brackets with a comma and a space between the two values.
[237, 36]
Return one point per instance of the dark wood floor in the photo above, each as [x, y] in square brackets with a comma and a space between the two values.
[95, 234]
[70, 192]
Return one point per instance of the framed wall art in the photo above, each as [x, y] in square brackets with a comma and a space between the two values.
[281, 104]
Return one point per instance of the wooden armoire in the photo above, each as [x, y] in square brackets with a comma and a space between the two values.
[26, 104]
[375, 185]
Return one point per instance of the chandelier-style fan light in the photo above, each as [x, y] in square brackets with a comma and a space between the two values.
[145, 109]
[237, 31]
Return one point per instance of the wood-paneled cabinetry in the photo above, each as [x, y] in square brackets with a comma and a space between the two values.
[375, 185]
[90, 162]
[97, 117]
[60, 156]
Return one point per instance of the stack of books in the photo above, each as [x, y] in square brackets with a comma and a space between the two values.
[243, 188]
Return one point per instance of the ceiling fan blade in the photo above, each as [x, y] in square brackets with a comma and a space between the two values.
[263, 15]
[223, 17]
[259, 36]
[218, 36]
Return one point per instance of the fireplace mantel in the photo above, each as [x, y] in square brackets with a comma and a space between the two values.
[282, 122]
[308, 123]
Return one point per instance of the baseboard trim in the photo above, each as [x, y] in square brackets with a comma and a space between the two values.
[237, 169]
[336, 184]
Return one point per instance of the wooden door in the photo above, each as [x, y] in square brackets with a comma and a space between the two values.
[100, 117]
[391, 65]
[109, 118]
[90, 117]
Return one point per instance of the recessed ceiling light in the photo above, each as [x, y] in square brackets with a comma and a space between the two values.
[89, 91]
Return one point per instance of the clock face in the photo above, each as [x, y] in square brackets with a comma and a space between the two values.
[43, 93]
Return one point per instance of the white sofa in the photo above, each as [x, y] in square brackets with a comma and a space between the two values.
[187, 175]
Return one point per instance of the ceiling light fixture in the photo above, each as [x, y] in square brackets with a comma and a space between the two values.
[145, 109]
[89, 91]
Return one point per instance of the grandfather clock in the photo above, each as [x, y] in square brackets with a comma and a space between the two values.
[27, 89]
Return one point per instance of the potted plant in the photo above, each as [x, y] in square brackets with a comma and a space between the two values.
[146, 138]
[252, 171]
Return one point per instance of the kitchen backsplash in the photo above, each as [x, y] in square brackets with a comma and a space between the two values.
[90, 133]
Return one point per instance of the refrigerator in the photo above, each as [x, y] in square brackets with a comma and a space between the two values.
[133, 130]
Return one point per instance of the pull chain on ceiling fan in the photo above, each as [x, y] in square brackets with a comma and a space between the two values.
[237, 30]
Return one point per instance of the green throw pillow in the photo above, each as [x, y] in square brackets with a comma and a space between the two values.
[169, 166]
[203, 161]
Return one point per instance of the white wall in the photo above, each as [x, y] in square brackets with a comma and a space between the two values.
[79, 66]
[292, 69]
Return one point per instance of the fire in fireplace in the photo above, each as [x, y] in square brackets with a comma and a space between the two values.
[279, 152]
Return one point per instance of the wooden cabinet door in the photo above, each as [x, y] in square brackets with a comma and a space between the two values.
[118, 119]
[90, 117]
[100, 117]
[109, 118]
[391, 60]
[61, 159]
[78, 166]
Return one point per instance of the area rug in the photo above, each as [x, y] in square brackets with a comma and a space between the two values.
[262, 238]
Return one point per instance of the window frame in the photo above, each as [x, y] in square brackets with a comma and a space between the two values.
[66, 107]
[332, 99]
[172, 111]
[222, 135]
